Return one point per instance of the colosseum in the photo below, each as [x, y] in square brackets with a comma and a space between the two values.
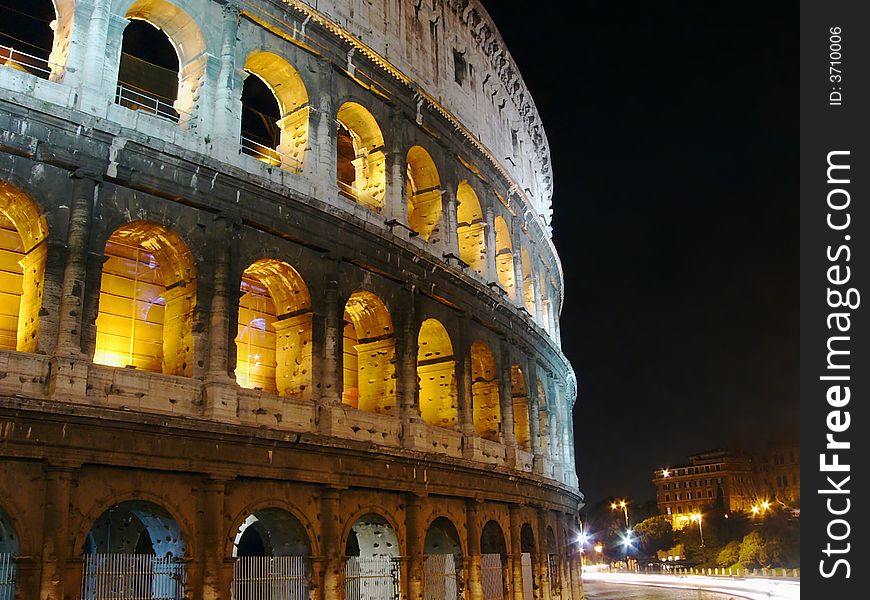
[279, 307]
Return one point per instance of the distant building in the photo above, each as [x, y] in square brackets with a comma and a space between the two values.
[732, 479]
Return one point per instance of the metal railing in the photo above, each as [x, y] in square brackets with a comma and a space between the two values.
[7, 577]
[132, 577]
[440, 578]
[270, 578]
[374, 578]
[528, 576]
[492, 576]
[269, 155]
[21, 61]
[136, 99]
[357, 196]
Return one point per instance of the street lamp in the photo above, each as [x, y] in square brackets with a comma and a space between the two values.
[624, 506]
[697, 517]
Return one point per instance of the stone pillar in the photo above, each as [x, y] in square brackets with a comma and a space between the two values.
[227, 115]
[395, 202]
[69, 336]
[330, 345]
[407, 387]
[462, 354]
[490, 273]
[543, 553]
[562, 551]
[516, 551]
[535, 416]
[507, 402]
[320, 165]
[221, 399]
[539, 298]
[517, 240]
[414, 536]
[102, 50]
[329, 570]
[450, 237]
[214, 582]
[472, 528]
[55, 533]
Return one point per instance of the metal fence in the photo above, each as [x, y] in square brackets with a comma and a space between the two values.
[132, 577]
[354, 194]
[441, 580]
[269, 155]
[375, 578]
[22, 61]
[553, 567]
[492, 576]
[528, 576]
[136, 99]
[7, 577]
[270, 578]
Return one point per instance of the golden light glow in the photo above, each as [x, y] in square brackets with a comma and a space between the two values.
[528, 283]
[423, 188]
[436, 374]
[484, 391]
[147, 298]
[599, 548]
[504, 257]
[666, 473]
[471, 228]
[361, 162]
[521, 407]
[696, 517]
[369, 342]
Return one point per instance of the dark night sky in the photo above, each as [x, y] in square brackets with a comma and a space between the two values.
[673, 128]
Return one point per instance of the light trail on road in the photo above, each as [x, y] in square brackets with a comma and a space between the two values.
[750, 588]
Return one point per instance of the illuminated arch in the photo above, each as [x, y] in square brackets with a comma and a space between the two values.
[423, 187]
[494, 560]
[189, 43]
[361, 164]
[286, 85]
[436, 374]
[471, 228]
[271, 532]
[147, 300]
[369, 355]
[273, 344]
[528, 283]
[484, 392]
[520, 397]
[23, 231]
[43, 51]
[504, 257]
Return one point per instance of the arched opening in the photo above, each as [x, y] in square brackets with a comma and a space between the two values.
[470, 228]
[134, 549]
[369, 355]
[485, 397]
[520, 397]
[528, 283]
[436, 374]
[274, 112]
[147, 300]
[543, 417]
[423, 187]
[494, 567]
[31, 37]
[442, 562]
[272, 551]
[273, 344]
[9, 550]
[361, 163]
[553, 564]
[23, 231]
[371, 570]
[504, 257]
[162, 60]
[528, 559]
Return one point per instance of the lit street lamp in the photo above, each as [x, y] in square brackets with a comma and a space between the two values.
[624, 506]
[697, 517]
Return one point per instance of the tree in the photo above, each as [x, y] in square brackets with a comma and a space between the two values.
[750, 548]
[729, 555]
[655, 533]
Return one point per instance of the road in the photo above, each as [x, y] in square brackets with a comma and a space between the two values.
[616, 586]
[599, 590]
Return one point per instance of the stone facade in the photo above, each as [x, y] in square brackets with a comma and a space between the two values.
[293, 351]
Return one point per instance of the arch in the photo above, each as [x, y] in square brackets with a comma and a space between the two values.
[147, 300]
[369, 355]
[554, 566]
[442, 564]
[495, 568]
[372, 551]
[271, 532]
[485, 397]
[520, 397]
[361, 163]
[288, 90]
[34, 36]
[372, 535]
[504, 257]
[189, 44]
[10, 544]
[273, 344]
[528, 283]
[436, 375]
[470, 228]
[23, 250]
[423, 189]
[527, 539]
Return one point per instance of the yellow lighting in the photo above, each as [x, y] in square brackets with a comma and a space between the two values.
[765, 505]
[666, 473]
[696, 517]
[599, 548]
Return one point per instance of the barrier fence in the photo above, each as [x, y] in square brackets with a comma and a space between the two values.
[492, 576]
[270, 578]
[132, 577]
[371, 578]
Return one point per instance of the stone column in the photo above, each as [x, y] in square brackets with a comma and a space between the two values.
[472, 528]
[330, 344]
[516, 551]
[535, 416]
[320, 165]
[69, 336]
[214, 581]
[543, 553]
[462, 355]
[395, 202]
[414, 537]
[55, 533]
[221, 399]
[328, 565]
[102, 49]
[450, 236]
[539, 298]
[490, 273]
[562, 551]
[507, 402]
[227, 115]
[517, 240]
